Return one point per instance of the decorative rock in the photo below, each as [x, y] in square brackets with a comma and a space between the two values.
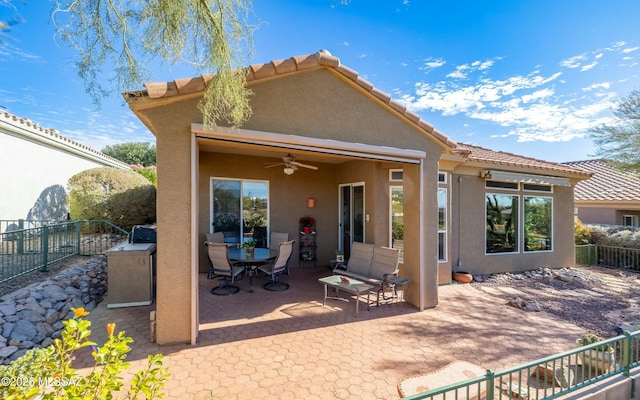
[32, 316]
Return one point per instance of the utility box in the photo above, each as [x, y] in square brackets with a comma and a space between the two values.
[130, 274]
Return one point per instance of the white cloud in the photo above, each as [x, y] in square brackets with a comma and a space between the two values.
[588, 66]
[433, 63]
[601, 85]
[630, 50]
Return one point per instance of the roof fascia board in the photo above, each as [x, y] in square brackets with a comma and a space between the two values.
[528, 169]
[327, 146]
[618, 204]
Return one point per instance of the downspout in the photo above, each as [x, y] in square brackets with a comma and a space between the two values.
[194, 240]
[423, 289]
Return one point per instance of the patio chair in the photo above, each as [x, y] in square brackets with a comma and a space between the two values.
[215, 237]
[275, 238]
[274, 270]
[222, 269]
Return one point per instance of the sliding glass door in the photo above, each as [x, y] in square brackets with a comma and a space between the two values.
[240, 210]
[351, 223]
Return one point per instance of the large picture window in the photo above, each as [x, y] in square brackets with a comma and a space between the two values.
[537, 223]
[502, 223]
[240, 210]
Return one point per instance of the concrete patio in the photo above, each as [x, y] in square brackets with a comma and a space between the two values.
[286, 345]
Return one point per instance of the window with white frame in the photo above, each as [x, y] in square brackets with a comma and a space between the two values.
[538, 224]
[501, 217]
[240, 209]
[442, 224]
[630, 220]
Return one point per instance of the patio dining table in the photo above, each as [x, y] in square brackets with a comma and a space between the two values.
[251, 261]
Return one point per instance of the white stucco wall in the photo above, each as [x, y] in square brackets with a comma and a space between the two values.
[35, 165]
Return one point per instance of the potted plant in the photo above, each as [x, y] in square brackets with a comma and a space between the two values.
[601, 357]
[339, 256]
[249, 245]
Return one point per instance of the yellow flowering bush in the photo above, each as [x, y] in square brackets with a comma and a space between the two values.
[47, 373]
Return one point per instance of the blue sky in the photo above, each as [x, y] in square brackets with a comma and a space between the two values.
[528, 77]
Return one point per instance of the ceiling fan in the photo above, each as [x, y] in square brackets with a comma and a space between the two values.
[291, 165]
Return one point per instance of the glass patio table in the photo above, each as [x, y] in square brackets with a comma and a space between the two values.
[350, 285]
[251, 261]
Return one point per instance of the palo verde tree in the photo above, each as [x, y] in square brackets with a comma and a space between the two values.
[620, 141]
[126, 36]
[133, 153]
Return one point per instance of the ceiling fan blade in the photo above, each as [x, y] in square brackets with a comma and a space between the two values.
[274, 165]
[304, 165]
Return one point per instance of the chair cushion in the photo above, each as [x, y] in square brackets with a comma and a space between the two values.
[360, 259]
[384, 262]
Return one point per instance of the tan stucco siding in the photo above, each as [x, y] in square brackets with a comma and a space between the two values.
[319, 104]
[174, 289]
[468, 232]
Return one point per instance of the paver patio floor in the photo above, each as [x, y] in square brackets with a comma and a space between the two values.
[286, 345]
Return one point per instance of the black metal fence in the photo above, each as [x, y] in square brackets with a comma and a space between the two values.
[27, 246]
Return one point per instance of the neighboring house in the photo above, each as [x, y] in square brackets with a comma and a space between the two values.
[610, 196]
[36, 164]
[384, 176]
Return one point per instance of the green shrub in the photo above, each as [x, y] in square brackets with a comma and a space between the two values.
[151, 173]
[47, 373]
[122, 197]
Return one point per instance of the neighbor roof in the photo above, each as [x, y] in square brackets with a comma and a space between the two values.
[607, 183]
[482, 155]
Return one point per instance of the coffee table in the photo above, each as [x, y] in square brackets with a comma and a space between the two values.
[354, 286]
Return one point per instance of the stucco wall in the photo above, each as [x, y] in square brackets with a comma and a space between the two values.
[468, 239]
[34, 180]
[603, 215]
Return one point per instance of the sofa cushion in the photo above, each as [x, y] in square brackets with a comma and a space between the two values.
[360, 258]
[384, 262]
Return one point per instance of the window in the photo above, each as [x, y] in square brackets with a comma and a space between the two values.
[532, 187]
[501, 185]
[240, 210]
[397, 219]
[501, 223]
[537, 223]
[395, 175]
[442, 177]
[630, 220]
[442, 224]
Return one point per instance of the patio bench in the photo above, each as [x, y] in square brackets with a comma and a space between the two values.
[371, 264]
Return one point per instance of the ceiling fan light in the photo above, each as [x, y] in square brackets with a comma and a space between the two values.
[288, 170]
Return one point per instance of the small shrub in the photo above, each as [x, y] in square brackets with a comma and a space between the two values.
[119, 196]
[47, 373]
[582, 233]
[591, 339]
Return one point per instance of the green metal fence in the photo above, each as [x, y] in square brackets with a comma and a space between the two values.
[550, 377]
[609, 256]
[27, 246]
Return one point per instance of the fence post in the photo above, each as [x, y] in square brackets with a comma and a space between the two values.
[44, 237]
[490, 384]
[78, 235]
[20, 236]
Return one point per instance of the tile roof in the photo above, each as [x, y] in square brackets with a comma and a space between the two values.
[51, 136]
[501, 158]
[324, 59]
[321, 59]
[607, 183]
